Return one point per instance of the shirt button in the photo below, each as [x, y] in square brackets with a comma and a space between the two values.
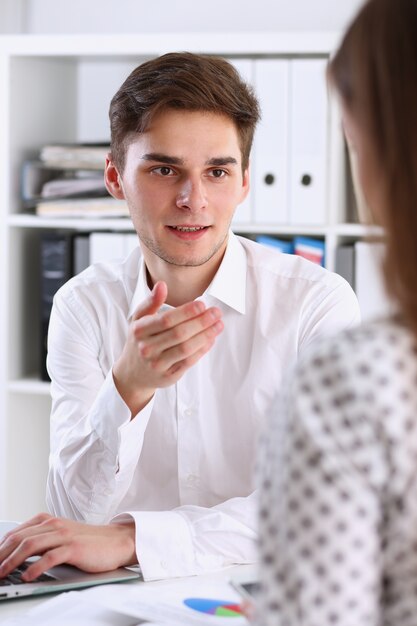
[192, 480]
[164, 565]
[189, 412]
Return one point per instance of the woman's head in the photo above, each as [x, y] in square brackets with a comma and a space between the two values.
[375, 74]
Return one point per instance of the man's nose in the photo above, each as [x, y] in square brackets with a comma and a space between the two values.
[192, 195]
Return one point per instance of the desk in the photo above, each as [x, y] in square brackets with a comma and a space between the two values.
[12, 608]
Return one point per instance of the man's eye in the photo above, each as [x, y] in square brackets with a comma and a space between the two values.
[163, 170]
[218, 173]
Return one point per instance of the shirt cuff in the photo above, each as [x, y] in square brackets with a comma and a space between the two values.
[164, 546]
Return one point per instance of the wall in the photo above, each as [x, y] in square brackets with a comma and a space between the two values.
[107, 16]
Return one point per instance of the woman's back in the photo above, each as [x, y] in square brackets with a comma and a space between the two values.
[339, 499]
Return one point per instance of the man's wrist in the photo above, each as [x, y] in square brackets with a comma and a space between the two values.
[126, 533]
[135, 400]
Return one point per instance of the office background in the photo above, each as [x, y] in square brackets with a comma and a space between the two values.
[167, 16]
[58, 90]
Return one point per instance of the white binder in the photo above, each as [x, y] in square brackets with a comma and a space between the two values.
[111, 246]
[308, 142]
[369, 285]
[270, 162]
[243, 214]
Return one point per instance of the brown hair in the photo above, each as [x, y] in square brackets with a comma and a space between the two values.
[185, 81]
[375, 73]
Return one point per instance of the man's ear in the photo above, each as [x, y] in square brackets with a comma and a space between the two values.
[113, 180]
[245, 183]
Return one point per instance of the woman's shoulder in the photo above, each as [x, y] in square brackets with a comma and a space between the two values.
[381, 344]
[366, 374]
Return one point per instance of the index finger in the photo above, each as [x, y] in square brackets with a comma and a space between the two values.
[40, 518]
[168, 320]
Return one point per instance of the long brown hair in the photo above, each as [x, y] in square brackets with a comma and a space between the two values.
[181, 80]
[375, 73]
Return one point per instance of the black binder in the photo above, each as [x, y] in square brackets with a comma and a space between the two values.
[56, 269]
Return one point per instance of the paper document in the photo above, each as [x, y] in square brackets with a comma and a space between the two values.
[194, 602]
[72, 609]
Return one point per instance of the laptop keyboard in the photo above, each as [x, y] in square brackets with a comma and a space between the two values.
[15, 577]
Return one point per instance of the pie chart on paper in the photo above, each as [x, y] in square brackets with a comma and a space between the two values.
[219, 608]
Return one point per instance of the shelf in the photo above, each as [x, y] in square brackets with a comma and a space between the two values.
[152, 44]
[281, 229]
[23, 220]
[358, 230]
[29, 386]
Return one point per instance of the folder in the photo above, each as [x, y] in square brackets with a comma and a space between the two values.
[310, 249]
[270, 179]
[280, 245]
[80, 252]
[111, 246]
[243, 214]
[308, 142]
[369, 285]
[55, 251]
[345, 263]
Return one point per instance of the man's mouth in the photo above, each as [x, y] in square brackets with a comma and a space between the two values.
[188, 229]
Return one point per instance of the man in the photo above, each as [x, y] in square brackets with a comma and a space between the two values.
[164, 365]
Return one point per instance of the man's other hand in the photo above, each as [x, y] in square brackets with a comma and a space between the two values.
[56, 541]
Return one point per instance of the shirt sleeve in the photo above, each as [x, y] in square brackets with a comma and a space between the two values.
[333, 309]
[94, 443]
[192, 540]
[321, 479]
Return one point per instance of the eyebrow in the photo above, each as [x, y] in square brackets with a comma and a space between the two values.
[171, 160]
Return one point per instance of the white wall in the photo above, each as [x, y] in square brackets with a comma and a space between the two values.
[108, 16]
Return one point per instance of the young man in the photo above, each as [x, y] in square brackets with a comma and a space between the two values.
[163, 366]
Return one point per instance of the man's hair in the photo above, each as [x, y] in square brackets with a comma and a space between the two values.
[181, 81]
[375, 73]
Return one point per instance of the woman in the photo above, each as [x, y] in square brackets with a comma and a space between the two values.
[338, 513]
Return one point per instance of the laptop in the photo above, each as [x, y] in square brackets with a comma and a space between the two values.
[59, 578]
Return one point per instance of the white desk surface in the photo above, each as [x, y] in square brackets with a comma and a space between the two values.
[12, 608]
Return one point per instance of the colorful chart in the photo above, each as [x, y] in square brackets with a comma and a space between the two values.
[220, 608]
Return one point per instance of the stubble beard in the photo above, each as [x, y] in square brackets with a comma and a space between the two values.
[177, 260]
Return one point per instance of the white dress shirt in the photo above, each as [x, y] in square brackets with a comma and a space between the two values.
[183, 467]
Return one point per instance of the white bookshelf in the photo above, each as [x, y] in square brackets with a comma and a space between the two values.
[40, 80]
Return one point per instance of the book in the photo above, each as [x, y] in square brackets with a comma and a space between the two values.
[77, 155]
[66, 187]
[41, 184]
[83, 207]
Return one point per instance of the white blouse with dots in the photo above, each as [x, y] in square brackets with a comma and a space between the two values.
[338, 503]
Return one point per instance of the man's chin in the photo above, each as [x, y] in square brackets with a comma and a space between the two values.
[186, 262]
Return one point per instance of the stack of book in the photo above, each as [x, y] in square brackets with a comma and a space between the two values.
[68, 181]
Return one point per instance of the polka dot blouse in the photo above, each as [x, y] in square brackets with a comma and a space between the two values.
[338, 501]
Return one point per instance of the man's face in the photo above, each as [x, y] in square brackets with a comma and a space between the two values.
[182, 181]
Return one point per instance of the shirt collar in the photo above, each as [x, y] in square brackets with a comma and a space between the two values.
[228, 285]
